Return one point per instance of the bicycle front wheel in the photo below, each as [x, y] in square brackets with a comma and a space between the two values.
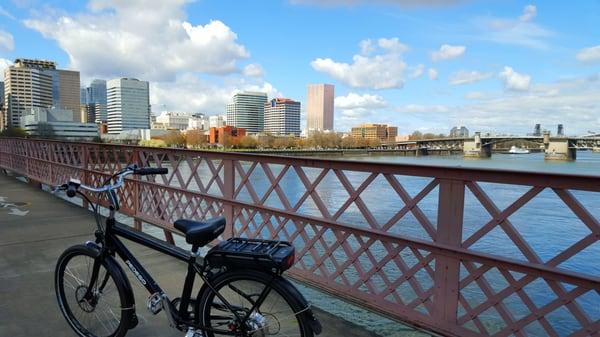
[93, 308]
[279, 314]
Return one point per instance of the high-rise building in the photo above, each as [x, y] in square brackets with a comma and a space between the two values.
[27, 85]
[68, 92]
[96, 92]
[537, 130]
[459, 132]
[37, 83]
[319, 107]
[247, 111]
[560, 130]
[94, 98]
[282, 117]
[381, 132]
[128, 104]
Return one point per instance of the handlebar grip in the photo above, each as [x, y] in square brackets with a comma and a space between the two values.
[151, 170]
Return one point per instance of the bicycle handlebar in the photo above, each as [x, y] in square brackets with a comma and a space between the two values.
[73, 185]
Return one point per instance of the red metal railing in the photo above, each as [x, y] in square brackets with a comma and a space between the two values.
[397, 239]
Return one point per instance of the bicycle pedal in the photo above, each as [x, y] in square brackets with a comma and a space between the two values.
[194, 333]
[155, 304]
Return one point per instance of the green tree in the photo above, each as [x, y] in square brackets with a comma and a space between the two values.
[248, 142]
[196, 139]
[45, 130]
[174, 138]
[13, 132]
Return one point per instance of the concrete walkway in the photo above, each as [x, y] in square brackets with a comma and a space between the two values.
[35, 228]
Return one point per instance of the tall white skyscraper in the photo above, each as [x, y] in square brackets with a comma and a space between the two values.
[128, 104]
[282, 117]
[319, 107]
[247, 111]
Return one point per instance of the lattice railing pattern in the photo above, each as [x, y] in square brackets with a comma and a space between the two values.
[462, 252]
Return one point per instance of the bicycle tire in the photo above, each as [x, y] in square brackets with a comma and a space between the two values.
[66, 292]
[207, 303]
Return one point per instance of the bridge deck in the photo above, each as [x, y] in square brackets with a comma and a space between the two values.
[30, 245]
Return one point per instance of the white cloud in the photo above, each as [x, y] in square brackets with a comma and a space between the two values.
[475, 95]
[529, 12]
[417, 71]
[6, 13]
[355, 108]
[515, 81]
[383, 70]
[591, 54]
[572, 102]
[146, 39]
[447, 52]
[517, 31]
[4, 63]
[402, 3]
[192, 94]
[466, 77]
[254, 70]
[432, 73]
[422, 109]
[355, 101]
[7, 42]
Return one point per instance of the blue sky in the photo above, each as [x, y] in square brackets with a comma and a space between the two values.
[494, 66]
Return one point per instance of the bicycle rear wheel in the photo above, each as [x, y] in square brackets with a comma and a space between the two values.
[99, 312]
[278, 315]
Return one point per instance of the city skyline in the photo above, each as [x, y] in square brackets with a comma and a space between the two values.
[491, 67]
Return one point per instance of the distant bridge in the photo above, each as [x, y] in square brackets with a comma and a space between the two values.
[481, 146]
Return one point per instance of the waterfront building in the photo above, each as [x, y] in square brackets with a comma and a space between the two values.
[319, 107]
[282, 117]
[198, 121]
[217, 121]
[382, 132]
[219, 135]
[173, 120]
[247, 111]
[38, 83]
[459, 132]
[60, 121]
[128, 104]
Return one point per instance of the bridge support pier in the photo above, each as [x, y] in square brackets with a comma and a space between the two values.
[421, 151]
[475, 149]
[559, 148]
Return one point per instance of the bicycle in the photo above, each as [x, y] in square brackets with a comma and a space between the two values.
[243, 291]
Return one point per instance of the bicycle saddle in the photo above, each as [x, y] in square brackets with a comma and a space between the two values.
[201, 232]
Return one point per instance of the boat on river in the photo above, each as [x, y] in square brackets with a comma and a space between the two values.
[517, 150]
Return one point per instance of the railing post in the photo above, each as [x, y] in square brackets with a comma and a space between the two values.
[86, 176]
[447, 269]
[229, 187]
[137, 223]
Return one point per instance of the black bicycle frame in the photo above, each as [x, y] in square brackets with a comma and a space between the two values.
[195, 266]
